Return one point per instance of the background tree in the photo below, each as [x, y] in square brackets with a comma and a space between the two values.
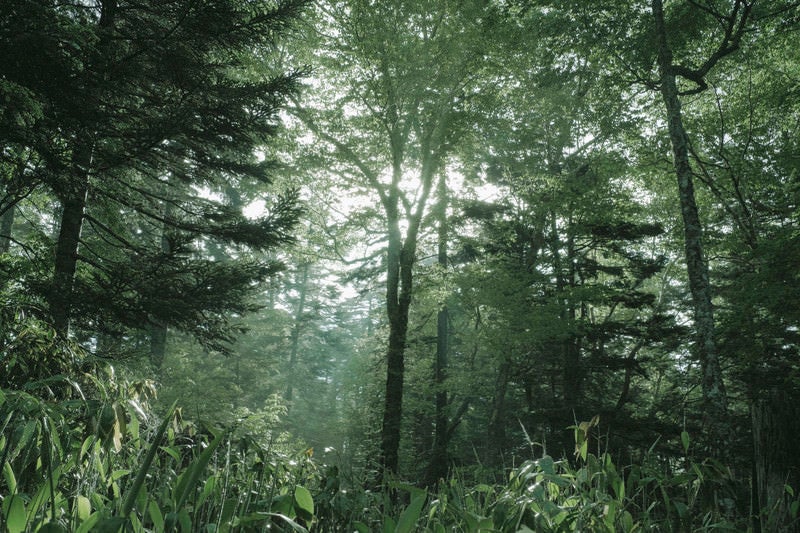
[143, 107]
[400, 76]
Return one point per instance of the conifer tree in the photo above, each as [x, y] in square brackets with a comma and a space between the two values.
[141, 112]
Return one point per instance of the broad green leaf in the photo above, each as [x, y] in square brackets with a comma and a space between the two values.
[16, 519]
[172, 452]
[155, 515]
[109, 525]
[228, 510]
[410, 516]
[116, 474]
[53, 527]
[185, 521]
[304, 502]
[208, 488]
[610, 514]
[83, 507]
[25, 438]
[486, 524]
[685, 441]
[281, 504]
[547, 465]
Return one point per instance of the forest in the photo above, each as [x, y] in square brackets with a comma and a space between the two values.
[399, 266]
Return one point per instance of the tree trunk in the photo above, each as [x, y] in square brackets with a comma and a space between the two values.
[496, 429]
[295, 337]
[715, 403]
[438, 467]
[73, 203]
[398, 299]
[776, 424]
[401, 256]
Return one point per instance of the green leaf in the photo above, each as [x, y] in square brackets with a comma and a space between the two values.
[410, 516]
[303, 502]
[172, 452]
[25, 438]
[83, 507]
[261, 517]
[16, 519]
[547, 465]
[156, 515]
[281, 504]
[685, 441]
[109, 525]
[89, 524]
[208, 487]
[53, 527]
[11, 480]
[185, 521]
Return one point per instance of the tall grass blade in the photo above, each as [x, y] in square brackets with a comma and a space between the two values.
[192, 475]
[130, 500]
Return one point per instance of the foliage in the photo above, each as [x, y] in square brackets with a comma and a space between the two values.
[101, 464]
[92, 456]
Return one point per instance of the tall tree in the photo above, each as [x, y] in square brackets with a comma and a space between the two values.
[734, 23]
[400, 74]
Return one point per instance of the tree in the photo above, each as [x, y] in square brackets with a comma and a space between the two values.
[400, 76]
[734, 22]
[143, 107]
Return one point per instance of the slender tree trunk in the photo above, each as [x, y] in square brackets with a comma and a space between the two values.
[715, 401]
[439, 461]
[295, 337]
[158, 345]
[571, 347]
[496, 429]
[401, 256]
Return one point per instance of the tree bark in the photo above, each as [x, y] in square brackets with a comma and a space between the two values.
[715, 401]
[158, 330]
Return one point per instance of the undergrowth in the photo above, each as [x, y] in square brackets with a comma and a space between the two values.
[81, 450]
